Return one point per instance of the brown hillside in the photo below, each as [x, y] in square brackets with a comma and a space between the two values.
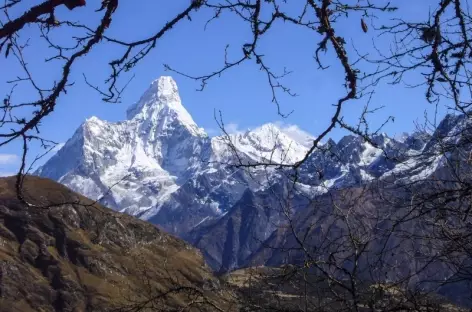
[82, 257]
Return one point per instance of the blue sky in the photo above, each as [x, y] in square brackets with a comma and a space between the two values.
[242, 94]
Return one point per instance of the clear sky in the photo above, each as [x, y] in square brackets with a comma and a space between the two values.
[242, 94]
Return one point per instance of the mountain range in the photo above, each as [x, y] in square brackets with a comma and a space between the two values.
[158, 165]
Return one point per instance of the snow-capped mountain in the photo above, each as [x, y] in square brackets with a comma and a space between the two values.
[142, 157]
[160, 166]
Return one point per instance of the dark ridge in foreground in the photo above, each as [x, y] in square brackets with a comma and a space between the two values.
[70, 254]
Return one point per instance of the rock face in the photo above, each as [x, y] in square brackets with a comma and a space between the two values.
[80, 256]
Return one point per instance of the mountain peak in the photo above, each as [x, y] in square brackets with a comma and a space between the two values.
[268, 142]
[267, 128]
[161, 103]
[162, 92]
[166, 87]
[292, 132]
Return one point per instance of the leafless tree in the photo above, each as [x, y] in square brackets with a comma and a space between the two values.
[362, 231]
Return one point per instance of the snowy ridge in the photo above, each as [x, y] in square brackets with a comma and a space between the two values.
[162, 167]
